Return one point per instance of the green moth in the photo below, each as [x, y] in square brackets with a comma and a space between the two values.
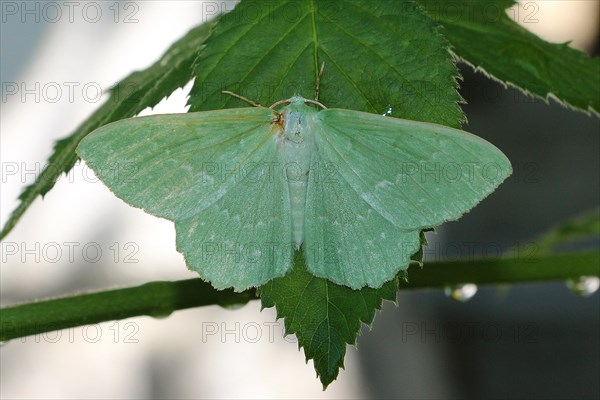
[247, 187]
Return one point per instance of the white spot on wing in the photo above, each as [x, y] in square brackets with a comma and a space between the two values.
[208, 179]
[383, 184]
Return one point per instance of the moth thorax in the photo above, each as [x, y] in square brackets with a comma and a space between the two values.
[294, 127]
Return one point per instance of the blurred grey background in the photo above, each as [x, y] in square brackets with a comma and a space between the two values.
[523, 341]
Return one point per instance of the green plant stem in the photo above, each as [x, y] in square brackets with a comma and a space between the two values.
[157, 299]
[162, 298]
[505, 270]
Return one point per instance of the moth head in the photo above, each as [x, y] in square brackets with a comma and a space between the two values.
[297, 100]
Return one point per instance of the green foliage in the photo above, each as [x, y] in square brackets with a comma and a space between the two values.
[139, 90]
[483, 34]
[377, 55]
[324, 316]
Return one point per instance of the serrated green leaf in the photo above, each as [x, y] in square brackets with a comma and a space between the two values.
[139, 90]
[377, 55]
[483, 35]
[325, 317]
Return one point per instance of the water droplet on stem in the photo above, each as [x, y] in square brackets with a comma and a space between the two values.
[584, 286]
[462, 292]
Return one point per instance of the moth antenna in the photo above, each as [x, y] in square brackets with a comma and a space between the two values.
[255, 104]
[317, 89]
[316, 103]
[288, 101]
[280, 102]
